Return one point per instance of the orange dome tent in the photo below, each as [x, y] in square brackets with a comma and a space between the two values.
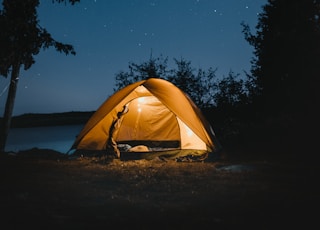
[160, 120]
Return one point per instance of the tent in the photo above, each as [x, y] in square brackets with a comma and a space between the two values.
[159, 120]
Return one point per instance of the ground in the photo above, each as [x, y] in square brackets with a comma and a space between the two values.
[43, 189]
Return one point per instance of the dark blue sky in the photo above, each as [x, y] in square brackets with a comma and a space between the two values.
[107, 35]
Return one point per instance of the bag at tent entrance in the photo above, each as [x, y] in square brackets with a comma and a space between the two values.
[147, 119]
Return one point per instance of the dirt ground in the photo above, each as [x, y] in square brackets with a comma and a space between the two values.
[47, 190]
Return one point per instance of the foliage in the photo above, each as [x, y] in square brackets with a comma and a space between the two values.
[154, 67]
[199, 85]
[65, 1]
[286, 66]
[231, 92]
[22, 37]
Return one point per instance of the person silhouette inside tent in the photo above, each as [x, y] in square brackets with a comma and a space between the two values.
[114, 129]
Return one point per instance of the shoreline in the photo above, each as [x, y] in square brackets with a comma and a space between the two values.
[29, 120]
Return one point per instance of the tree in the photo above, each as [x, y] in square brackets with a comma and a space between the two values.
[21, 39]
[154, 67]
[231, 93]
[286, 66]
[198, 86]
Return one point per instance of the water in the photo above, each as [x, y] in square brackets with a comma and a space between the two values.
[59, 138]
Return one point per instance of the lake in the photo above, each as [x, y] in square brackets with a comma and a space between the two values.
[59, 138]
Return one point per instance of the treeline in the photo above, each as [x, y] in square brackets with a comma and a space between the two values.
[276, 103]
[49, 119]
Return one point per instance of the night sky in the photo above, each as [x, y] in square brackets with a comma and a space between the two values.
[107, 35]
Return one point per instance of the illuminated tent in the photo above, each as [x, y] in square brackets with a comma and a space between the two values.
[161, 121]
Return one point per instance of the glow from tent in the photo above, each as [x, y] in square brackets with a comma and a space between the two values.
[144, 101]
[189, 131]
[141, 101]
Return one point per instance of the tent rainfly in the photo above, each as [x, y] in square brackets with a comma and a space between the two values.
[160, 120]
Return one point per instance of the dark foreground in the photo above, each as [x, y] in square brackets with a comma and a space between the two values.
[42, 189]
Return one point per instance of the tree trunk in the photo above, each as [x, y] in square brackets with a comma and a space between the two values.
[9, 106]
